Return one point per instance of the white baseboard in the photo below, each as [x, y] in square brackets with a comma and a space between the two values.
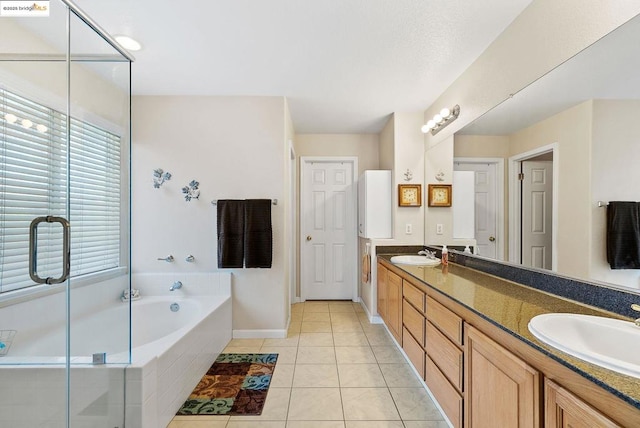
[260, 334]
[373, 319]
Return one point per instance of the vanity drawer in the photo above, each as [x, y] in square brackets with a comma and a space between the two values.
[413, 295]
[446, 355]
[447, 322]
[447, 396]
[414, 351]
[413, 321]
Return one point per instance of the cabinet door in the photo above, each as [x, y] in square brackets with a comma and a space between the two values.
[394, 305]
[382, 291]
[501, 389]
[565, 410]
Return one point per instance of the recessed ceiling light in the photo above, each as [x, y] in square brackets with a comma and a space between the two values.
[128, 43]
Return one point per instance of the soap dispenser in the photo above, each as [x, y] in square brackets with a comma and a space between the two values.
[445, 255]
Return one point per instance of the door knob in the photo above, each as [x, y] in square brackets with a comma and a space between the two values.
[308, 237]
[491, 238]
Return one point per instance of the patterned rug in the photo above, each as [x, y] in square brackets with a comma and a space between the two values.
[236, 384]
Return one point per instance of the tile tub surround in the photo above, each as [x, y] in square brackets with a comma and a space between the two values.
[335, 379]
[510, 306]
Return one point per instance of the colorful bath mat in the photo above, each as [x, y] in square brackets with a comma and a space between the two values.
[236, 384]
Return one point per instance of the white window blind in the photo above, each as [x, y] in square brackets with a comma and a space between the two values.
[33, 183]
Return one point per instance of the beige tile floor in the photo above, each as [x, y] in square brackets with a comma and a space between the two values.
[334, 370]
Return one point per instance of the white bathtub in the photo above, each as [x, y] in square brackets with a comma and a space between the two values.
[170, 352]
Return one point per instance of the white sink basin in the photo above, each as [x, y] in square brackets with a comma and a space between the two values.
[414, 260]
[607, 342]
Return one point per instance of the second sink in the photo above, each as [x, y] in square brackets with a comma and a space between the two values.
[607, 342]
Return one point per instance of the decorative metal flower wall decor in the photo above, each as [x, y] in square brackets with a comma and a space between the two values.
[159, 177]
[191, 191]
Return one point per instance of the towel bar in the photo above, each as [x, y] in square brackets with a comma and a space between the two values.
[602, 204]
[273, 201]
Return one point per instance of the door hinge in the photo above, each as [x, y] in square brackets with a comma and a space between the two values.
[521, 176]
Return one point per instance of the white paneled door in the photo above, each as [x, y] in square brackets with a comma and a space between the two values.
[537, 201]
[328, 230]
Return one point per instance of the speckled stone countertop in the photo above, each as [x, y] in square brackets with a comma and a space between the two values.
[510, 306]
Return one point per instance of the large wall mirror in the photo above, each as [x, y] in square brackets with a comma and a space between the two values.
[549, 159]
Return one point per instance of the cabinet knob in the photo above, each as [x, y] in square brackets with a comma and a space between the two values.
[309, 238]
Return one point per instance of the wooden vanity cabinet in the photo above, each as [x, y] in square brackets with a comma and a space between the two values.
[501, 390]
[434, 355]
[389, 300]
[394, 305]
[565, 410]
[481, 375]
[382, 291]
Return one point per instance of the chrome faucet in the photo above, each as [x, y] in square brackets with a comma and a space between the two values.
[176, 285]
[636, 308]
[168, 259]
[427, 253]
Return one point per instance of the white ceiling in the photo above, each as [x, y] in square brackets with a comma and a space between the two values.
[344, 65]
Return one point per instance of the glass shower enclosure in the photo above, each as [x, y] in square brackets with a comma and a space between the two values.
[65, 333]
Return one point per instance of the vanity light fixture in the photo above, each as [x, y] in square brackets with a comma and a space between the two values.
[25, 123]
[128, 43]
[441, 120]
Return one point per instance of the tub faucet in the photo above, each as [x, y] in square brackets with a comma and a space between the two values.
[176, 285]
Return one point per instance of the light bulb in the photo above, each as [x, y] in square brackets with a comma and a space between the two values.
[445, 112]
[42, 129]
[437, 118]
[26, 123]
[431, 124]
[425, 129]
[11, 118]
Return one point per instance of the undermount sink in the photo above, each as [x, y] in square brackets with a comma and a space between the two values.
[414, 260]
[607, 342]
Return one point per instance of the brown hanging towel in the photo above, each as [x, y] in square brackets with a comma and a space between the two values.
[230, 233]
[258, 236]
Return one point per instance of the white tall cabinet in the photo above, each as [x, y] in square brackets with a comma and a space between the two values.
[374, 204]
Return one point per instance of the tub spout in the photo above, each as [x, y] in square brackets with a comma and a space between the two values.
[176, 285]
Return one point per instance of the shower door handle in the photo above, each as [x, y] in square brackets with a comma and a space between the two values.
[33, 249]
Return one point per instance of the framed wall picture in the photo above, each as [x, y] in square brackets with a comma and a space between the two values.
[409, 195]
[439, 195]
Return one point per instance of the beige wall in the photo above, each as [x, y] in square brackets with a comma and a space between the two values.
[615, 174]
[481, 146]
[290, 211]
[387, 144]
[235, 148]
[363, 146]
[408, 154]
[401, 148]
[544, 35]
[439, 158]
[571, 130]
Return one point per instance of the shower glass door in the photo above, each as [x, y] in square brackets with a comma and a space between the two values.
[64, 220]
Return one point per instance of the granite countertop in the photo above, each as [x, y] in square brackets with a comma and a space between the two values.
[510, 306]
